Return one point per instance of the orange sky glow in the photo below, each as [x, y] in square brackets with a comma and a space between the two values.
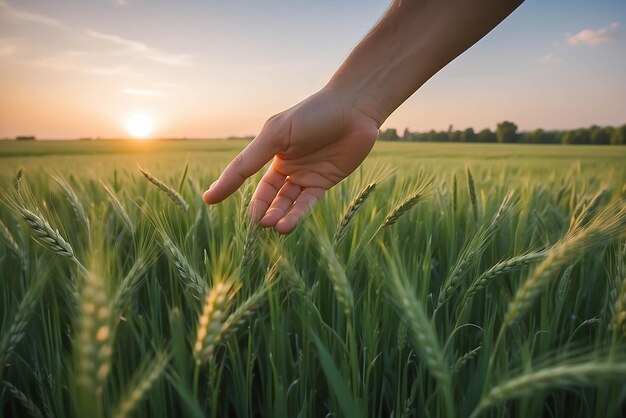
[113, 68]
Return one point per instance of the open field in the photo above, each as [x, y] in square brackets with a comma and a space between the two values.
[473, 280]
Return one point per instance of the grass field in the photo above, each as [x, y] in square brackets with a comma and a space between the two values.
[440, 280]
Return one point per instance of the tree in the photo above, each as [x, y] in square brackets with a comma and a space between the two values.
[486, 136]
[600, 136]
[468, 135]
[534, 137]
[388, 135]
[506, 132]
[619, 136]
[455, 136]
[407, 135]
[576, 137]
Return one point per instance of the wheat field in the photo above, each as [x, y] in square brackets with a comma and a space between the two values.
[439, 280]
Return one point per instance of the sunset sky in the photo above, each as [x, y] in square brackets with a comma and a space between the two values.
[206, 68]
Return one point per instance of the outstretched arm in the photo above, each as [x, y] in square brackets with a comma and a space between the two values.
[318, 142]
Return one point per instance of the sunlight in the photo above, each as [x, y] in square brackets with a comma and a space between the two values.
[139, 125]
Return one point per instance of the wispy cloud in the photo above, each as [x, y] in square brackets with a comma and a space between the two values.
[594, 37]
[145, 51]
[78, 61]
[143, 92]
[121, 2]
[7, 47]
[551, 58]
[125, 43]
[10, 13]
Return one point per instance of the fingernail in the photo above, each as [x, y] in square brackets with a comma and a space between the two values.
[212, 184]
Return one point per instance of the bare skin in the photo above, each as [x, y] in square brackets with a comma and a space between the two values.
[320, 141]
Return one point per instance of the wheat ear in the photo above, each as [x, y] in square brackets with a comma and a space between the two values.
[119, 208]
[72, 198]
[472, 192]
[95, 335]
[170, 192]
[49, 237]
[211, 321]
[599, 231]
[351, 212]
[26, 402]
[405, 206]
[17, 180]
[12, 244]
[141, 383]
[585, 374]
[465, 358]
[503, 267]
[338, 277]
[11, 337]
[185, 269]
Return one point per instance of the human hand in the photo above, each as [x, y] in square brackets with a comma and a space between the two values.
[314, 146]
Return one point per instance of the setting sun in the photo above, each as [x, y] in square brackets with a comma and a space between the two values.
[139, 125]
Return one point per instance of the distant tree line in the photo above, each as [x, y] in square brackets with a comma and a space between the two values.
[506, 132]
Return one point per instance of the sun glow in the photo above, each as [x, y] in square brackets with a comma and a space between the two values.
[139, 125]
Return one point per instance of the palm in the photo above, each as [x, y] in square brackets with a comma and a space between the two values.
[314, 145]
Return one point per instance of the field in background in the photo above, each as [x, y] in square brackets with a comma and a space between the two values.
[483, 280]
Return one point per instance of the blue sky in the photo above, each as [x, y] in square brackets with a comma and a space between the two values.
[216, 68]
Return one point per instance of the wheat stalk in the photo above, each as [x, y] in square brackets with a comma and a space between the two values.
[465, 358]
[141, 383]
[212, 320]
[12, 244]
[468, 256]
[49, 237]
[11, 337]
[17, 180]
[72, 198]
[619, 310]
[26, 402]
[338, 277]
[95, 335]
[421, 330]
[472, 192]
[405, 206]
[503, 267]
[243, 312]
[129, 285]
[119, 208]
[561, 376]
[351, 212]
[171, 193]
[454, 194]
[586, 210]
[250, 247]
[599, 231]
[184, 267]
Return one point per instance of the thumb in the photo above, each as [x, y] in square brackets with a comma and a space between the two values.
[244, 165]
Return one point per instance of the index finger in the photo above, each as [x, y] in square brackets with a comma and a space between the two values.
[244, 165]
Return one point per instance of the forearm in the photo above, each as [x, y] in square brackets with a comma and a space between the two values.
[411, 42]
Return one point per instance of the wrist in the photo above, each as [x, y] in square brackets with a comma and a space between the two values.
[360, 99]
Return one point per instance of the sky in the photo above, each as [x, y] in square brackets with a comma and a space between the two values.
[207, 68]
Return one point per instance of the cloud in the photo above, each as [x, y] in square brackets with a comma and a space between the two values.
[10, 13]
[125, 43]
[121, 2]
[142, 92]
[146, 51]
[7, 47]
[78, 61]
[177, 60]
[551, 58]
[594, 37]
